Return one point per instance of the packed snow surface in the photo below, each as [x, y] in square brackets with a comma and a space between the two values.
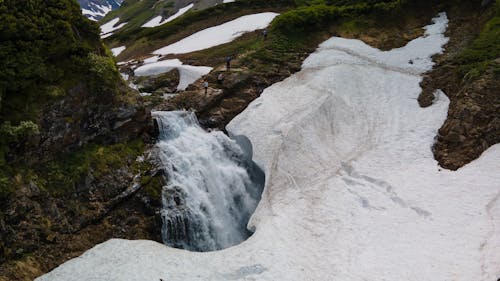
[157, 21]
[188, 73]
[118, 50]
[219, 34]
[352, 189]
[108, 28]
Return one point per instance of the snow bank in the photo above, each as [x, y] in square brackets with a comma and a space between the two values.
[97, 12]
[118, 50]
[353, 191]
[188, 73]
[108, 28]
[219, 34]
[157, 21]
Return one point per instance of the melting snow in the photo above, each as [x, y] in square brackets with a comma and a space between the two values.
[188, 73]
[108, 28]
[97, 12]
[157, 21]
[116, 51]
[352, 189]
[219, 34]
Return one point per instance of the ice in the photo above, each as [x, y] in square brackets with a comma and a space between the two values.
[219, 34]
[116, 51]
[157, 21]
[188, 73]
[352, 189]
[108, 28]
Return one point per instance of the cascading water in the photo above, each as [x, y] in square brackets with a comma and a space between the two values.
[212, 189]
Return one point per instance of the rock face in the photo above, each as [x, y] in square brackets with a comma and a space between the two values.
[80, 118]
[159, 84]
[80, 178]
[473, 123]
[51, 222]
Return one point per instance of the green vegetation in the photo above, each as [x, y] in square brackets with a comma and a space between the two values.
[318, 15]
[62, 174]
[48, 48]
[135, 37]
[43, 43]
[484, 52]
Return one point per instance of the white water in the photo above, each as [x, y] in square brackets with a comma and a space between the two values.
[210, 195]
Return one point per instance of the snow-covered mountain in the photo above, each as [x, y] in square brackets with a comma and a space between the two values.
[97, 9]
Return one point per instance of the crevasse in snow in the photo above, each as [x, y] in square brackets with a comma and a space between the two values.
[352, 189]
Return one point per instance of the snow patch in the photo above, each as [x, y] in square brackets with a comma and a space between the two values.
[157, 21]
[96, 12]
[352, 189]
[188, 73]
[219, 34]
[108, 28]
[116, 51]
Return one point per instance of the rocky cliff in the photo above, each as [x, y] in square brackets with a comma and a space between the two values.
[72, 139]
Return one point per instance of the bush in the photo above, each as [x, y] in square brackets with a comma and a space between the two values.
[44, 44]
[481, 55]
[315, 16]
[104, 72]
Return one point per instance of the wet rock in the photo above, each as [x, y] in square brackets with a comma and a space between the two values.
[166, 82]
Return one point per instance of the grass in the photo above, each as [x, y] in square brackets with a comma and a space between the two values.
[62, 174]
[482, 54]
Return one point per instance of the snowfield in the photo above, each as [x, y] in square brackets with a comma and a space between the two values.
[108, 28]
[157, 21]
[98, 12]
[188, 74]
[352, 189]
[219, 34]
[118, 50]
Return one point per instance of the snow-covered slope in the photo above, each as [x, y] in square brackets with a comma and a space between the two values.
[219, 34]
[118, 50]
[97, 9]
[158, 20]
[352, 190]
[109, 27]
[188, 73]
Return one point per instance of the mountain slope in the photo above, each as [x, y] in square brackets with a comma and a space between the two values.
[352, 189]
[97, 9]
[66, 121]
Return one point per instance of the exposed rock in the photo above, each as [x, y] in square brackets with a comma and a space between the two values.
[473, 123]
[167, 82]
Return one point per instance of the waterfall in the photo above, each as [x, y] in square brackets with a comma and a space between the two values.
[212, 189]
